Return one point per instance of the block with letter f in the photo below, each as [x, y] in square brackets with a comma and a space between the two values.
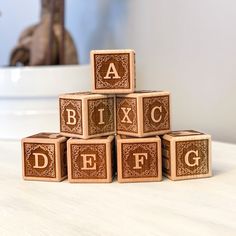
[138, 159]
[86, 115]
[91, 160]
[143, 113]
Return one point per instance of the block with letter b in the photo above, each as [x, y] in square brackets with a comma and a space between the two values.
[143, 113]
[113, 71]
[138, 159]
[91, 160]
[44, 157]
[186, 155]
[86, 115]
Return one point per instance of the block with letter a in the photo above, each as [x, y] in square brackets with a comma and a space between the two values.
[186, 154]
[138, 159]
[143, 113]
[44, 157]
[91, 160]
[86, 115]
[113, 71]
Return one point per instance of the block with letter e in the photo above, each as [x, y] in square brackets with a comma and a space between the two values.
[44, 157]
[143, 113]
[87, 115]
[138, 159]
[91, 160]
[186, 154]
[113, 71]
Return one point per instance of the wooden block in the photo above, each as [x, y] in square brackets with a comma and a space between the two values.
[44, 157]
[91, 160]
[143, 113]
[86, 115]
[113, 71]
[138, 159]
[186, 155]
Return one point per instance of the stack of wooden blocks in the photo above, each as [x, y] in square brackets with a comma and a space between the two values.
[115, 129]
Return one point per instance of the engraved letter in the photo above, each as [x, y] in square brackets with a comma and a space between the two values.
[36, 158]
[89, 162]
[71, 117]
[101, 122]
[139, 160]
[112, 71]
[196, 158]
[126, 118]
[153, 114]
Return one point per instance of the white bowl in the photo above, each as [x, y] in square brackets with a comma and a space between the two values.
[29, 97]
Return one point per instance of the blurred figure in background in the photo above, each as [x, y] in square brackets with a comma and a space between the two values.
[46, 43]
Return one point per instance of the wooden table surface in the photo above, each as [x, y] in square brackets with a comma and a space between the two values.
[192, 207]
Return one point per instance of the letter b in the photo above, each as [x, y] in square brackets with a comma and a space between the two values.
[71, 120]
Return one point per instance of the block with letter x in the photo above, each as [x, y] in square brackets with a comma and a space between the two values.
[113, 71]
[186, 154]
[91, 160]
[138, 159]
[143, 113]
[44, 157]
[86, 115]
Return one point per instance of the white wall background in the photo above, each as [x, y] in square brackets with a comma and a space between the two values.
[185, 46]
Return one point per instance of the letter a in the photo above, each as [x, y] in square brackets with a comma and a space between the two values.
[112, 71]
[139, 160]
[36, 158]
[71, 117]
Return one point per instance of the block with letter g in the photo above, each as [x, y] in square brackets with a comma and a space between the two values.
[186, 155]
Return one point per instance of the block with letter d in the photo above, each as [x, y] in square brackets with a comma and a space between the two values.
[113, 71]
[91, 160]
[44, 157]
[138, 159]
[186, 154]
[143, 113]
[86, 115]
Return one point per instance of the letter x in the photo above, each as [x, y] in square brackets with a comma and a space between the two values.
[126, 118]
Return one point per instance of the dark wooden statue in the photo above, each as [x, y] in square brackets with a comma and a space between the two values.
[46, 43]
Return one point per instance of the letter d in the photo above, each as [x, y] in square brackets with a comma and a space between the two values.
[36, 158]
